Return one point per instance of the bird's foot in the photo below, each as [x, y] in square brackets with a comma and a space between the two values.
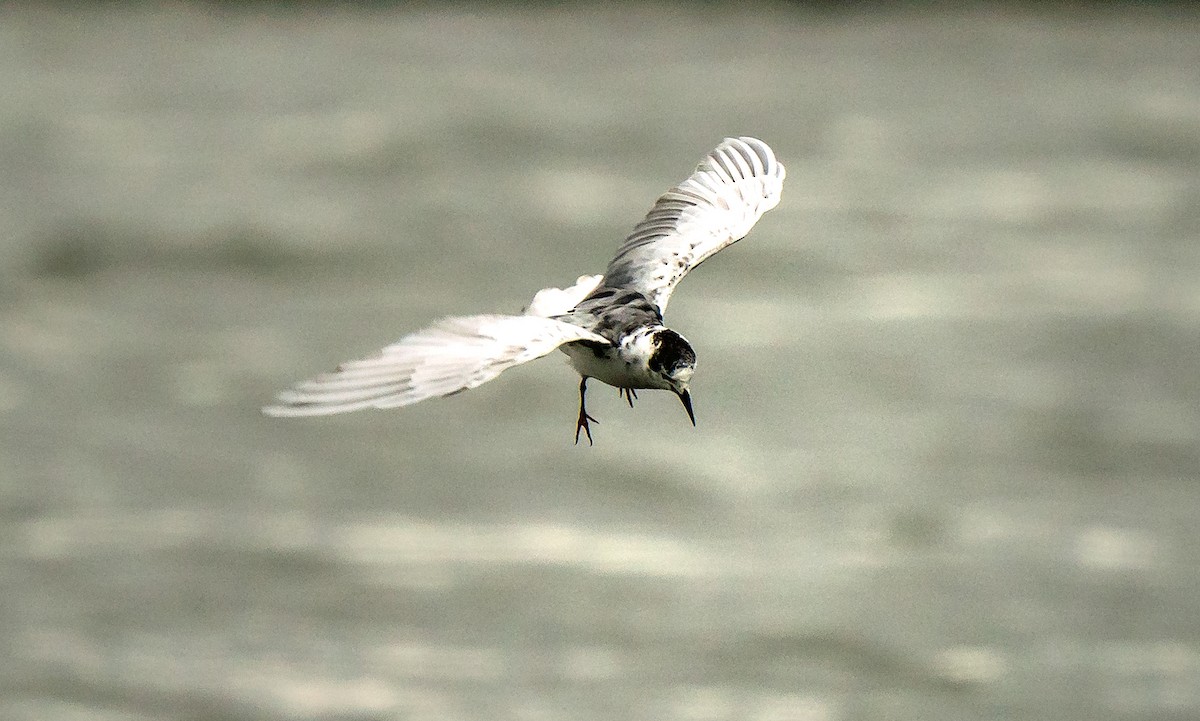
[582, 425]
[628, 394]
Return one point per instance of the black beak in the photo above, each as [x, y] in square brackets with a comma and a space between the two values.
[687, 405]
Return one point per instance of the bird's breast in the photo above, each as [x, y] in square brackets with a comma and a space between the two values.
[608, 365]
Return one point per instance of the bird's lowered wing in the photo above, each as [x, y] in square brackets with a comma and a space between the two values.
[716, 206]
[452, 355]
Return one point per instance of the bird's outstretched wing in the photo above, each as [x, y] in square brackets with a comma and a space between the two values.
[717, 206]
[452, 355]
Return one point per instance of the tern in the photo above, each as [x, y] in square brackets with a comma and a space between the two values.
[610, 326]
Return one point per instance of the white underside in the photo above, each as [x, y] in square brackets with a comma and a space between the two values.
[611, 368]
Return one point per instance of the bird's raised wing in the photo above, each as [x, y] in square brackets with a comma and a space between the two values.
[717, 206]
[452, 355]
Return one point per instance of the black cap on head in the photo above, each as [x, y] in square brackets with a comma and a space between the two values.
[671, 351]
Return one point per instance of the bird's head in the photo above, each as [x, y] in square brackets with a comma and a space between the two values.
[674, 361]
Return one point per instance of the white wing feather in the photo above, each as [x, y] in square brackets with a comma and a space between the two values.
[717, 206]
[450, 356]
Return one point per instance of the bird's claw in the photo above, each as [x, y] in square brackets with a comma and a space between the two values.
[582, 425]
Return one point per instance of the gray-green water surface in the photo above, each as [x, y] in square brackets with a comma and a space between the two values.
[948, 438]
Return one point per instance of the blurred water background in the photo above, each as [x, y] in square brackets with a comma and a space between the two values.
[947, 453]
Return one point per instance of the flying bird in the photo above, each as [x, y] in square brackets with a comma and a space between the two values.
[610, 326]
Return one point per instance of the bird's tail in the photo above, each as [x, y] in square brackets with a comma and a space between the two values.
[550, 302]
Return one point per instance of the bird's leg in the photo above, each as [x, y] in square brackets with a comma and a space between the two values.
[582, 423]
[628, 394]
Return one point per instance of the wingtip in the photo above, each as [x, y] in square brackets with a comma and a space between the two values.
[761, 151]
